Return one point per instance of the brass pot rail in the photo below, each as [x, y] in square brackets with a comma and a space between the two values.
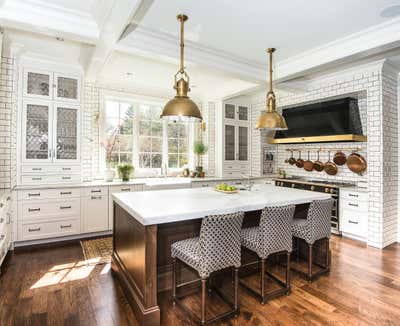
[325, 149]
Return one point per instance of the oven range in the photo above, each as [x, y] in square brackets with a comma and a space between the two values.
[320, 186]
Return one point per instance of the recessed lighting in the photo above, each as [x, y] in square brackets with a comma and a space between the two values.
[390, 12]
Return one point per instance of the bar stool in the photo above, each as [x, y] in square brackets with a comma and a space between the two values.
[217, 248]
[317, 226]
[272, 236]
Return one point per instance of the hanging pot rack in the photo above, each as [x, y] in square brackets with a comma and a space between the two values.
[325, 149]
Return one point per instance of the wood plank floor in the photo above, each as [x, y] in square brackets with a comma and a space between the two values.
[54, 286]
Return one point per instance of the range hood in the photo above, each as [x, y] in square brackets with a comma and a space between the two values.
[330, 121]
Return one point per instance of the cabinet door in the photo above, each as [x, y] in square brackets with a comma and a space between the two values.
[38, 84]
[243, 143]
[67, 88]
[243, 113]
[95, 215]
[229, 111]
[66, 133]
[36, 131]
[230, 141]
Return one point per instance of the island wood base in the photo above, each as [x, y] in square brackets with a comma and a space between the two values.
[142, 258]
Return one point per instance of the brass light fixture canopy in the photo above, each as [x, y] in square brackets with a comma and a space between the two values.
[181, 107]
[271, 119]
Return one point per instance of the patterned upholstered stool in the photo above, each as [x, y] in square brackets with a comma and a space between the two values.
[217, 248]
[272, 236]
[317, 226]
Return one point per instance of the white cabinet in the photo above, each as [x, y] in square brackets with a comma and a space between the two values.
[95, 209]
[5, 225]
[353, 212]
[236, 135]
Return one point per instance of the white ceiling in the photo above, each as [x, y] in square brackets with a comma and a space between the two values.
[85, 6]
[247, 28]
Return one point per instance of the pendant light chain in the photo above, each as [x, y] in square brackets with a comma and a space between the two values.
[182, 45]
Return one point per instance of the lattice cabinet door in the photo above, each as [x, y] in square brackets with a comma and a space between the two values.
[67, 88]
[66, 133]
[36, 131]
[38, 84]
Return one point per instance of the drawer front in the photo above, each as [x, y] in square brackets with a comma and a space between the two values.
[354, 196]
[95, 191]
[354, 223]
[37, 210]
[203, 184]
[125, 188]
[39, 169]
[350, 204]
[95, 216]
[50, 179]
[32, 231]
[49, 194]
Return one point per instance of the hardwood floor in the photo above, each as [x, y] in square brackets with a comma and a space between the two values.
[54, 286]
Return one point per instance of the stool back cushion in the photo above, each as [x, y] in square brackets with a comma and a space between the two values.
[319, 220]
[220, 242]
[275, 233]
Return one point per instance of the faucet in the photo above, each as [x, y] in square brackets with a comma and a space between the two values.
[250, 183]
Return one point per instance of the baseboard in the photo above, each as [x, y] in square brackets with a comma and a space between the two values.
[55, 242]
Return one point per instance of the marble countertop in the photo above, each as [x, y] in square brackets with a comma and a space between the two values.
[153, 207]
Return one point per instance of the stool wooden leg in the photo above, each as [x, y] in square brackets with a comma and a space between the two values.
[327, 253]
[174, 278]
[288, 272]
[262, 280]
[203, 300]
[236, 288]
[297, 249]
[310, 261]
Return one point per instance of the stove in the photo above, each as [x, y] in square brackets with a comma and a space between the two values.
[327, 186]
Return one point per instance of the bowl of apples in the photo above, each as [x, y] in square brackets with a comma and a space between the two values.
[226, 189]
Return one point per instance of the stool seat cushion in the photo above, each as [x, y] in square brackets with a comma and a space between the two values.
[250, 239]
[188, 251]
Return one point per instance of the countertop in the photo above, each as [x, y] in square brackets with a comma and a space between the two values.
[139, 181]
[152, 207]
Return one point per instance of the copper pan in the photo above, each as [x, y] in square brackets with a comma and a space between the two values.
[318, 165]
[300, 161]
[339, 158]
[356, 163]
[292, 160]
[308, 165]
[330, 167]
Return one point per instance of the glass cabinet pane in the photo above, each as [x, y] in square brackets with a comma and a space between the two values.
[243, 143]
[67, 88]
[229, 111]
[67, 127]
[243, 113]
[38, 84]
[229, 143]
[37, 132]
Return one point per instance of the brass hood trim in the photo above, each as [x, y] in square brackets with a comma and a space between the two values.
[319, 139]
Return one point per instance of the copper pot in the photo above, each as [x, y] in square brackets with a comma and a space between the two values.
[318, 165]
[292, 160]
[330, 167]
[356, 163]
[299, 161]
[308, 165]
[339, 158]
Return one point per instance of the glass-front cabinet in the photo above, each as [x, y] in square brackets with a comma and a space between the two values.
[50, 132]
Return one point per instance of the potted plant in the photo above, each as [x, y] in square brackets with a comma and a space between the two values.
[108, 146]
[124, 171]
[199, 149]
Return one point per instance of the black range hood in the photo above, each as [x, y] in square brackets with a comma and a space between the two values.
[330, 121]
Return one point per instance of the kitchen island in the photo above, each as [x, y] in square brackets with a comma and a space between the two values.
[147, 223]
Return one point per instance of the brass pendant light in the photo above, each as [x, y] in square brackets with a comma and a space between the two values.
[271, 119]
[181, 107]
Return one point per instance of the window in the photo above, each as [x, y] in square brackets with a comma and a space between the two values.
[135, 134]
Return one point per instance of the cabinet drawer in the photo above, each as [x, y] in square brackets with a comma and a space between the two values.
[49, 194]
[353, 223]
[50, 179]
[36, 210]
[350, 204]
[125, 188]
[354, 195]
[95, 191]
[40, 169]
[31, 231]
[203, 184]
[95, 213]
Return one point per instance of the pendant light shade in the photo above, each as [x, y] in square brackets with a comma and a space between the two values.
[271, 119]
[181, 107]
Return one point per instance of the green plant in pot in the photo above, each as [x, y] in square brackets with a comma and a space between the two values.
[199, 149]
[125, 171]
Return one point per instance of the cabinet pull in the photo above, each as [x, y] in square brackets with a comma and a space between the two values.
[36, 169]
[33, 230]
[353, 195]
[36, 179]
[65, 226]
[2, 236]
[355, 205]
[66, 169]
[1, 220]
[96, 197]
[125, 189]
[36, 194]
[33, 209]
[65, 207]
[204, 185]
[95, 191]
[353, 222]
[65, 193]
[66, 178]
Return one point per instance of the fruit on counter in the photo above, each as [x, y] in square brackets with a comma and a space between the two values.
[225, 187]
